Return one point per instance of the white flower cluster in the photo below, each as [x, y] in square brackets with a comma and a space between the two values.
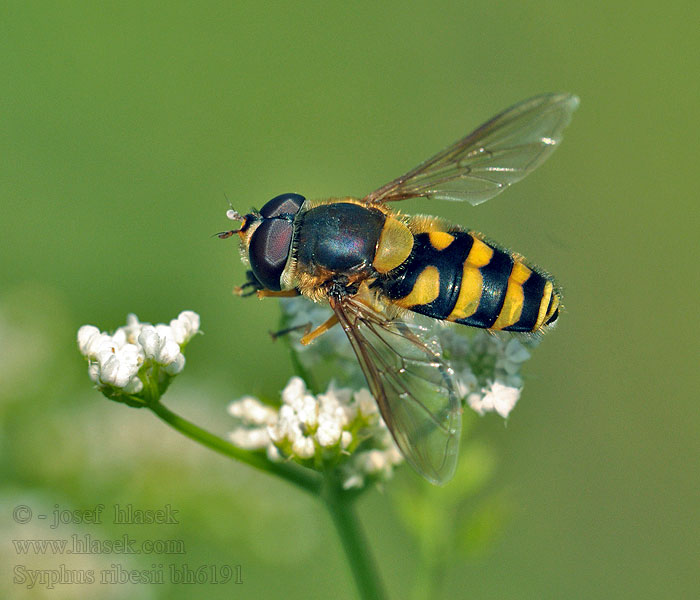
[487, 367]
[116, 360]
[338, 426]
[489, 357]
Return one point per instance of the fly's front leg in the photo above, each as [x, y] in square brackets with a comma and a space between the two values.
[281, 294]
[309, 336]
[252, 282]
[321, 329]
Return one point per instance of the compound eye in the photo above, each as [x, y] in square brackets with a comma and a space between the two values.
[269, 250]
[284, 204]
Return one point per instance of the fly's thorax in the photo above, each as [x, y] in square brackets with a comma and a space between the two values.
[344, 238]
[338, 237]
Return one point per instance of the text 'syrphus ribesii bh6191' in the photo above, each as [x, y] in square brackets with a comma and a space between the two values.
[375, 266]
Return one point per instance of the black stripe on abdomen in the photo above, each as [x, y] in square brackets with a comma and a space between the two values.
[533, 289]
[493, 290]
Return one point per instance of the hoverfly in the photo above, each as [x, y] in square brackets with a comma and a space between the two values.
[375, 266]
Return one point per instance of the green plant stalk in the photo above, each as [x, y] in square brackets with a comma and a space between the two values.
[363, 566]
[338, 501]
[302, 478]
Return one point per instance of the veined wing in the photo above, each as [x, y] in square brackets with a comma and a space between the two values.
[411, 384]
[488, 160]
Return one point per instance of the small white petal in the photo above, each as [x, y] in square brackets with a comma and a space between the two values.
[516, 352]
[307, 410]
[191, 319]
[465, 383]
[303, 447]
[375, 461]
[150, 341]
[85, 334]
[179, 331]
[120, 367]
[176, 365]
[498, 397]
[393, 455]
[165, 331]
[132, 328]
[185, 326]
[131, 354]
[334, 404]
[250, 439]
[120, 338]
[109, 370]
[169, 352]
[252, 411]
[287, 426]
[505, 398]
[354, 481]
[134, 386]
[99, 344]
[294, 390]
[475, 402]
[273, 454]
[94, 372]
[341, 396]
[345, 439]
[365, 403]
[328, 432]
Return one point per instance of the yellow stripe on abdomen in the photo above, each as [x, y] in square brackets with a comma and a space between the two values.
[542, 314]
[440, 239]
[515, 297]
[425, 290]
[472, 281]
[552, 309]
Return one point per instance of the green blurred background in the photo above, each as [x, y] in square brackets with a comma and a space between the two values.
[122, 126]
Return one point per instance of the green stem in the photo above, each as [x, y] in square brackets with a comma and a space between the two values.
[306, 480]
[363, 567]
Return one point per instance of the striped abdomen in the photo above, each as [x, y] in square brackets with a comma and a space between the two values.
[458, 277]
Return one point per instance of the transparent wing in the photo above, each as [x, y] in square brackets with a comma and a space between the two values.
[412, 385]
[494, 156]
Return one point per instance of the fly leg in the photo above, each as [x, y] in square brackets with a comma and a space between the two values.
[272, 294]
[252, 282]
[309, 336]
[321, 329]
[305, 327]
